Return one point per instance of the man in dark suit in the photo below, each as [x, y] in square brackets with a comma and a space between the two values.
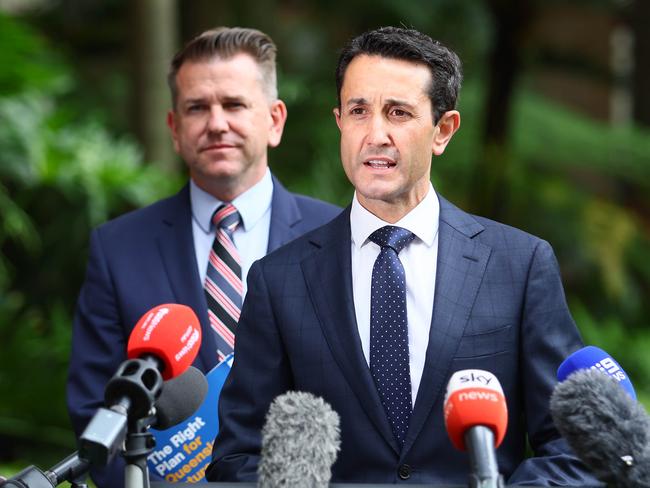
[225, 115]
[402, 285]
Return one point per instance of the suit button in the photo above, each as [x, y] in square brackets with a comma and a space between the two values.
[404, 471]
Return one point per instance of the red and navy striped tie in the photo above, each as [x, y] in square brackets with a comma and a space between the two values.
[223, 283]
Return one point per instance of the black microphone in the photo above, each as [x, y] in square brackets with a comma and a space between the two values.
[607, 429]
[300, 440]
[180, 398]
[72, 469]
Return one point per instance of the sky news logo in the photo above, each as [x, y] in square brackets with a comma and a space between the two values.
[489, 396]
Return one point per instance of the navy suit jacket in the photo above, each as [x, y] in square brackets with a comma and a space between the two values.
[499, 306]
[138, 261]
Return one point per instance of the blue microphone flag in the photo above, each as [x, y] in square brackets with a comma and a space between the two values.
[591, 357]
[183, 452]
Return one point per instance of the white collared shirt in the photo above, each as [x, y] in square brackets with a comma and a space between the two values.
[419, 259]
[251, 237]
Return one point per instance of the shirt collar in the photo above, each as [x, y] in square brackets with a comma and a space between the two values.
[251, 205]
[419, 220]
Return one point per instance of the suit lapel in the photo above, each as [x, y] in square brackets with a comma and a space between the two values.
[285, 214]
[176, 246]
[461, 264]
[334, 306]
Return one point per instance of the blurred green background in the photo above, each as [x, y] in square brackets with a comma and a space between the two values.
[554, 140]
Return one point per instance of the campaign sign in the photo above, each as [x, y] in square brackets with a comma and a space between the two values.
[183, 452]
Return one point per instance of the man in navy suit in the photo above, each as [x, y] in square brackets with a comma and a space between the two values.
[225, 115]
[476, 294]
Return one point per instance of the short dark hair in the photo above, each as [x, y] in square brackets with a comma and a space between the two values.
[409, 45]
[225, 42]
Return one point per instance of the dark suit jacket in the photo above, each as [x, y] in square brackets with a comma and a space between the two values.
[143, 259]
[499, 306]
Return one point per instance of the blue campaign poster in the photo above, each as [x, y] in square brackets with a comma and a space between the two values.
[183, 452]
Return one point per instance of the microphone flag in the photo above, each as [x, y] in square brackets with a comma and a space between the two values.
[184, 451]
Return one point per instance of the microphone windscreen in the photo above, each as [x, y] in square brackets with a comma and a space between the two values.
[474, 397]
[180, 398]
[608, 430]
[170, 332]
[300, 440]
[591, 357]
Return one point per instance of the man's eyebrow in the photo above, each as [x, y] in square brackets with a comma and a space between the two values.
[233, 98]
[190, 101]
[357, 101]
[389, 102]
[403, 103]
[199, 100]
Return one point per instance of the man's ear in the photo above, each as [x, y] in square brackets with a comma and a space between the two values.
[337, 116]
[278, 118]
[171, 123]
[445, 129]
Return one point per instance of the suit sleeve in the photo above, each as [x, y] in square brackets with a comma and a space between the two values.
[260, 372]
[98, 344]
[548, 335]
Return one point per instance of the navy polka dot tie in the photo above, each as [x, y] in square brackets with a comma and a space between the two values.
[389, 347]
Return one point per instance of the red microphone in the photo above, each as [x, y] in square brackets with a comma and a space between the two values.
[171, 333]
[162, 345]
[476, 418]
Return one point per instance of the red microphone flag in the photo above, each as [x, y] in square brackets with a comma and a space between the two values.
[170, 332]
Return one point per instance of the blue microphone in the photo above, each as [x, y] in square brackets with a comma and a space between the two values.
[591, 357]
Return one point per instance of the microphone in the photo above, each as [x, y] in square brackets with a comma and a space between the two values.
[300, 439]
[476, 418]
[72, 469]
[168, 336]
[162, 345]
[180, 398]
[606, 428]
[591, 357]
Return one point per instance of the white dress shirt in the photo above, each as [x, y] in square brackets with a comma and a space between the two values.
[419, 259]
[251, 237]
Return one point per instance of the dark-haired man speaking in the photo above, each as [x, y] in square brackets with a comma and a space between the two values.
[377, 309]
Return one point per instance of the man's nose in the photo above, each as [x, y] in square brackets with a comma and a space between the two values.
[218, 120]
[378, 132]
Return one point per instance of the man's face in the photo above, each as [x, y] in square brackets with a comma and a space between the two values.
[223, 123]
[387, 133]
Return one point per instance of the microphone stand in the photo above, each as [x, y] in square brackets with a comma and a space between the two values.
[484, 472]
[131, 395]
[72, 469]
[138, 445]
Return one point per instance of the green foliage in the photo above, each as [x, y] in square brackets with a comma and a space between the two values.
[27, 61]
[61, 174]
[629, 347]
[557, 138]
